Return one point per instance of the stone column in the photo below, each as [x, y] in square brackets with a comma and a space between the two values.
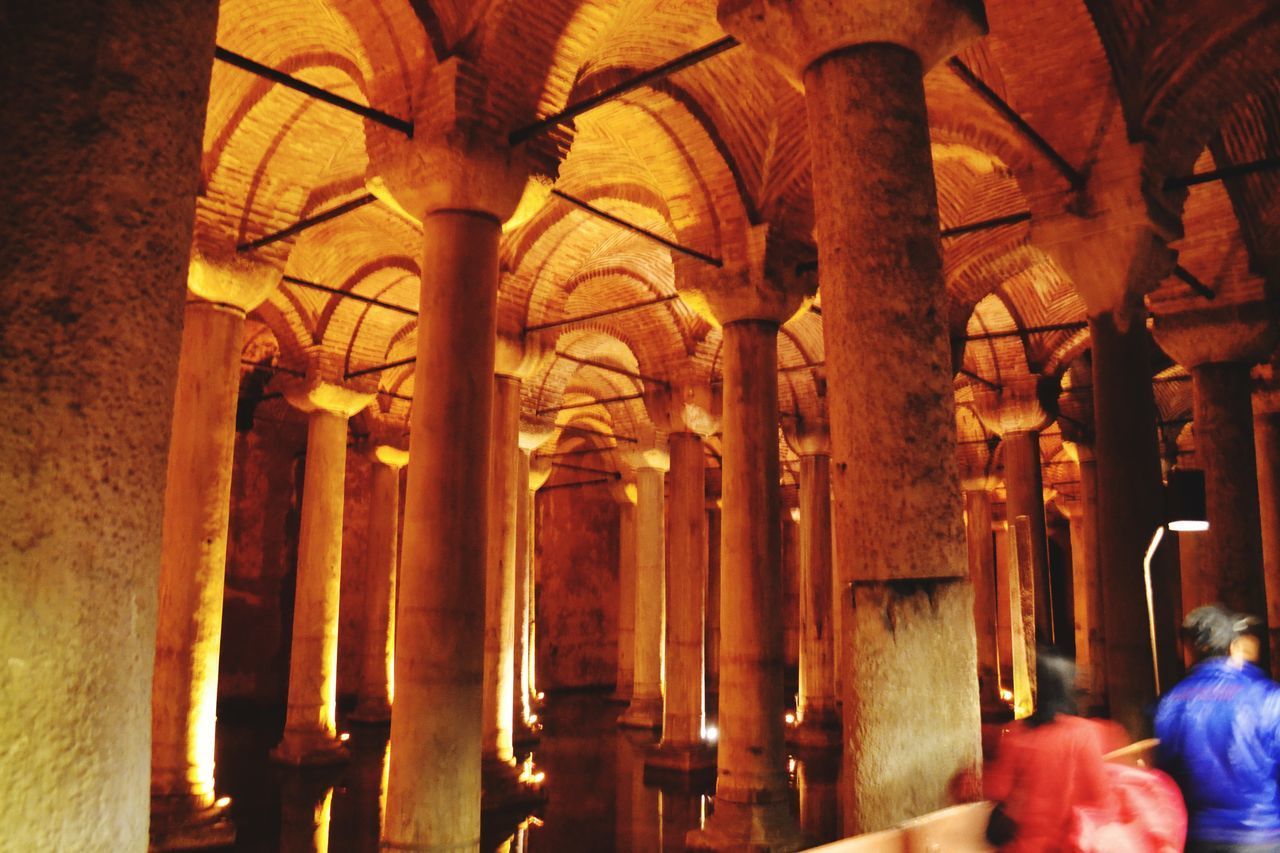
[98, 196]
[683, 748]
[310, 728]
[1022, 584]
[194, 556]
[982, 568]
[373, 703]
[458, 177]
[1076, 407]
[645, 708]
[1266, 433]
[884, 308]
[503, 785]
[626, 597]
[1219, 346]
[752, 296]
[1014, 412]
[530, 476]
[713, 591]
[817, 720]
[530, 697]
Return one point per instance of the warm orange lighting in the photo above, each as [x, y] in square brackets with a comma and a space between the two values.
[1006, 695]
[344, 737]
[222, 802]
[530, 776]
[790, 718]
[712, 734]
[533, 718]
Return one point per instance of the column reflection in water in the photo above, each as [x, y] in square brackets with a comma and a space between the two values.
[816, 781]
[305, 803]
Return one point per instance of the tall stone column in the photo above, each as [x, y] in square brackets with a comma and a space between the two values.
[817, 720]
[1266, 433]
[310, 727]
[530, 476]
[98, 197]
[461, 179]
[890, 388]
[683, 748]
[373, 703]
[1076, 406]
[645, 708]
[1219, 346]
[713, 589]
[626, 597]
[539, 473]
[982, 570]
[193, 560]
[503, 785]
[755, 293]
[1014, 412]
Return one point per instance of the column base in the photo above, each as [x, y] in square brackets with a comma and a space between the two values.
[819, 730]
[504, 788]
[179, 823]
[310, 750]
[757, 827]
[668, 760]
[642, 714]
[372, 712]
[620, 696]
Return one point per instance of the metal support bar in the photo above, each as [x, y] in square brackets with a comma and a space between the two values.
[579, 483]
[1194, 283]
[274, 368]
[396, 396]
[621, 398]
[311, 221]
[346, 294]
[1074, 177]
[984, 224]
[246, 64]
[587, 468]
[1238, 170]
[791, 368]
[583, 451]
[643, 232]
[570, 112]
[1030, 330]
[599, 432]
[381, 367]
[981, 380]
[596, 315]
[610, 368]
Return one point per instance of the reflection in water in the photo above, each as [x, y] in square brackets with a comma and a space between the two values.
[598, 797]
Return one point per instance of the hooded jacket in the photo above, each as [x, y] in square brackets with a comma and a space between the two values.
[1219, 732]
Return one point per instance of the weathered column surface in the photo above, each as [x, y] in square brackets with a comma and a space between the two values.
[460, 178]
[683, 747]
[645, 708]
[817, 720]
[310, 727]
[373, 703]
[1022, 584]
[713, 588]
[531, 697]
[1219, 347]
[193, 561]
[982, 572]
[1266, 432]
[897, 512]
[103, 117]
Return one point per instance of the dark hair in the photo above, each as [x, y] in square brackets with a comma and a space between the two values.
[1055, 687]
[1210, 630]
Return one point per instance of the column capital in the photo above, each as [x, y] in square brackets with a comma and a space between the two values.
[687, 406]
[808, 436]
[653, 458]
[539, 472]
[979, 483]
[534, 434]
[387, 441]
[1075, 404]
[760, 283]
[1018, 405]
[518, 355]
[1242, 333]
[218, 274]
[322, 388]
[797, 33]
[459, 158]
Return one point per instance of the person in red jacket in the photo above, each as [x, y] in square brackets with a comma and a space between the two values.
[1048, 765]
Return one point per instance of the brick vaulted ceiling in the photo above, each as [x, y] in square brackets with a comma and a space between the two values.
[703, 154]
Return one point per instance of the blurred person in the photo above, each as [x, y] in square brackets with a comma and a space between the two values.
[1219, 732]
[1047, 768]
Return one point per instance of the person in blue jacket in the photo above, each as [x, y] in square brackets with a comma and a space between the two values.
[1219, 732]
